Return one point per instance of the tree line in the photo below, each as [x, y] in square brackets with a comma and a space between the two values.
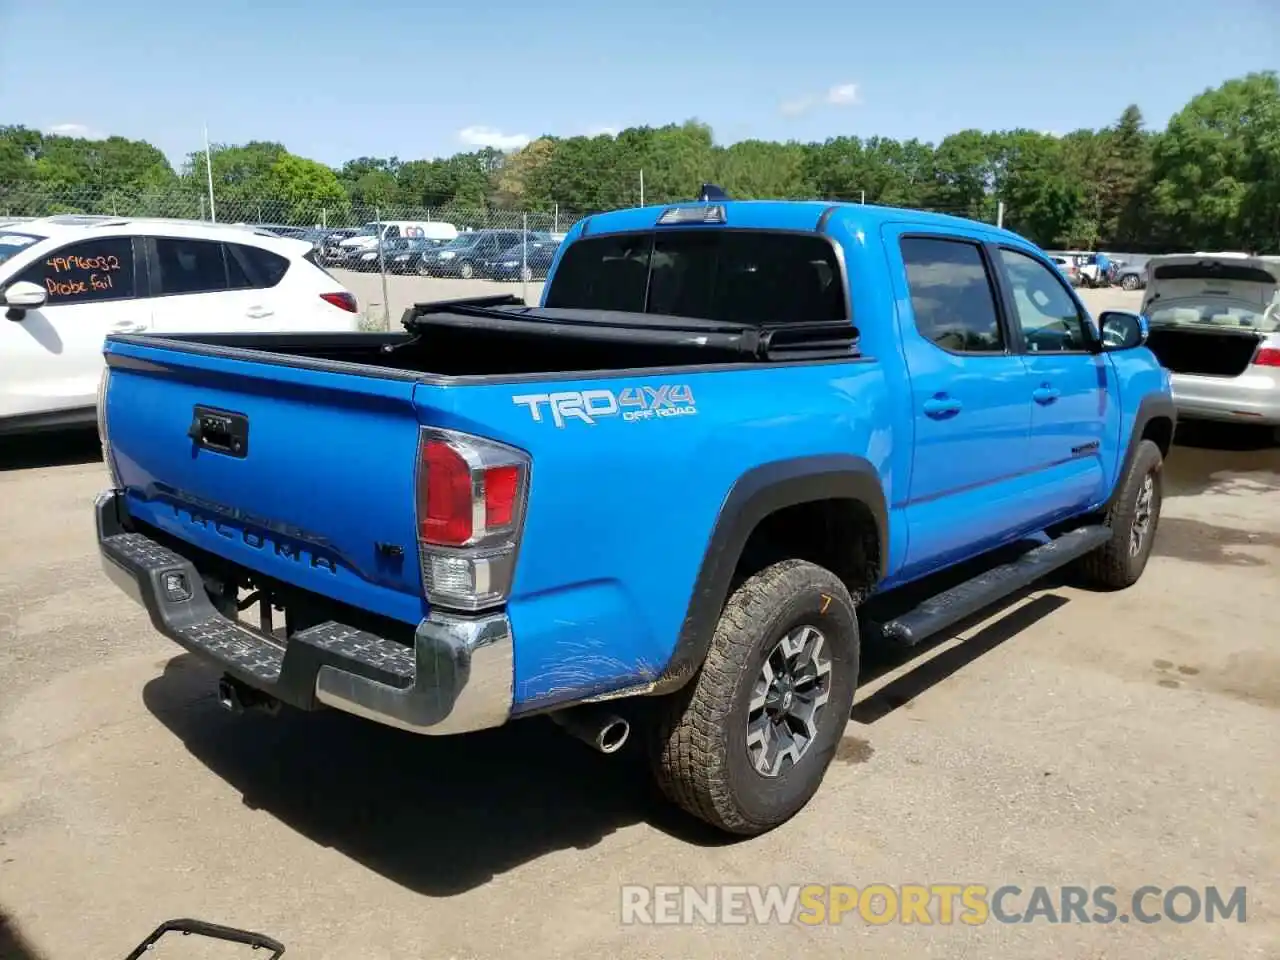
[1209, 180]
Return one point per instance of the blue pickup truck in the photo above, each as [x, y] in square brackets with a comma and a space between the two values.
[672, 496]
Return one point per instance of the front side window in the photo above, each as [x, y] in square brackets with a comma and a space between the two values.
[1050, 320]
[747, 276]
[87, 272]
[13, 243]
[952, 296]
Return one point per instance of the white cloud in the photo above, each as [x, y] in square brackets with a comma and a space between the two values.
[74, 130]
[481, 136]
[603, 131]
[843, 95]
[840, 95]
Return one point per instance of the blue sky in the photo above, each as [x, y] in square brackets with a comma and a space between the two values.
[335, 79]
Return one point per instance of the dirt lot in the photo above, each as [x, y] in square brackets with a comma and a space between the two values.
[1073, 738]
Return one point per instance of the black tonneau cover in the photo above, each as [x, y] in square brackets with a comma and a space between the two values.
[824, 339]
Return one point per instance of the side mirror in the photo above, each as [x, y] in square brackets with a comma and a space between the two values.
[1122, 330]
[23, 296]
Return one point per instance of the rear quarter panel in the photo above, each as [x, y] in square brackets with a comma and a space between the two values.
[621, 509]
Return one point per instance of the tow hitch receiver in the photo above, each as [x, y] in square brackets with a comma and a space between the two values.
[239, 697]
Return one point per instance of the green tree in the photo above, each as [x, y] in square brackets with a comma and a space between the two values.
[1217, 167]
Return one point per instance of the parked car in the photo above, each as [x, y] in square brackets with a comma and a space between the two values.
[405, 255]
[366, 238]
[1215, 324]
[68, 281]
[527, 261]
[1129, 276]
[1067, 267]
[472, 579]
[331, 250]
[462, 256]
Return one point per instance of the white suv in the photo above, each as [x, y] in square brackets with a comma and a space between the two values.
[66, 282]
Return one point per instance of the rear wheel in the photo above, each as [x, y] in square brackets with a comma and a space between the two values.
[1129, 282]
[747, 742]
[423, 269]
[1133, 519]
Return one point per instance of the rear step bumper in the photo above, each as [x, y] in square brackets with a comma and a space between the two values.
[458, 677]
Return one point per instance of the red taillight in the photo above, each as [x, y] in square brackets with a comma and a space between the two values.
[471, 497]
[1267, 357]
[343, 301]
[445, 514]
[500, 486]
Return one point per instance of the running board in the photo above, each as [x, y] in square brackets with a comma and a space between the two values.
[951, 606]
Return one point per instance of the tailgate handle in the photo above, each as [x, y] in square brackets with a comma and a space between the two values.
[220, 431]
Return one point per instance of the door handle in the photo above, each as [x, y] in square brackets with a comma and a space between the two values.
[127, 326]
[940, 406]
[1045, 394]
[257, 313]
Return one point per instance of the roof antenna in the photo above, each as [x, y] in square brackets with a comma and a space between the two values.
[710, 192]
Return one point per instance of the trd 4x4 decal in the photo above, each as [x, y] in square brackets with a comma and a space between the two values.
[590, 406]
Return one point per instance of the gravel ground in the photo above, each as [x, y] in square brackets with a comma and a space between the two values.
[1071, 738]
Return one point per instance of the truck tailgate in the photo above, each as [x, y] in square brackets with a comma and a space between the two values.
[302, 474]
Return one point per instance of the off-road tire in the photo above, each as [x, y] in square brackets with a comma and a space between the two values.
[698, 745]
[1113, 566]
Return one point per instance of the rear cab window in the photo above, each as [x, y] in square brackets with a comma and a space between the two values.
[746, 276]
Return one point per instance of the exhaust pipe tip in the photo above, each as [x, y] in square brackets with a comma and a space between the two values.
[613, 736]
[601, 730]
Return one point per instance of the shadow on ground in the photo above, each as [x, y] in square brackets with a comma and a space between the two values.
[879, 659]
[439, 815]
[57, 448]
[1221, 458]
[13, 945]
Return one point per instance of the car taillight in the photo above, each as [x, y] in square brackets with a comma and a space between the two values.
[1267, 357]
[471, 495]
[104, 437]
[343, 301]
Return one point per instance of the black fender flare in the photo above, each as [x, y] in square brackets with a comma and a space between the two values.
[755, 495]
[1153, 406]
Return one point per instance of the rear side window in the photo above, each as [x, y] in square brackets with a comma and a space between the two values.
[1213, 270]
[262, 267]
[187, 266]
[87, 272]
[952, 296]
[747, 276]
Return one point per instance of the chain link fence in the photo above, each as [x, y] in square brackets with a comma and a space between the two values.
[388, 255]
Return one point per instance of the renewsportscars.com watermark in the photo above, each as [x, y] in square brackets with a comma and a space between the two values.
[938, 903]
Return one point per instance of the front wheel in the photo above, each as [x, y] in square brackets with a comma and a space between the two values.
[1129, 282]
[746, 743]
[466, 271]
[1133, 519]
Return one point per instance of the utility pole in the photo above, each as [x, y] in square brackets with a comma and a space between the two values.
[1000, 214]
[642, 187]
[208, 169]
